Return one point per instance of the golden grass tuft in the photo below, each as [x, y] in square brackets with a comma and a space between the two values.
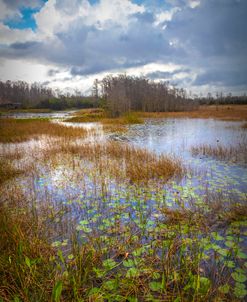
[19, 130]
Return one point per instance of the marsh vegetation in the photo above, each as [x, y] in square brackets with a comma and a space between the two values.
[126, 210]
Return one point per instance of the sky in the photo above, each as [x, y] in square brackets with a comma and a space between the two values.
[200, 45]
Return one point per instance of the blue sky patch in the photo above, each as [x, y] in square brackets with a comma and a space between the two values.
[25, 21]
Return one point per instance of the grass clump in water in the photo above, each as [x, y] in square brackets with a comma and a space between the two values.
[236, 153]
[19, 130]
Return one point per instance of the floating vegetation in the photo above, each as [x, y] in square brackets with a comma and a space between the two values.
[94, 220]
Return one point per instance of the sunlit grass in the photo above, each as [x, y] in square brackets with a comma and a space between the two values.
[19, 130]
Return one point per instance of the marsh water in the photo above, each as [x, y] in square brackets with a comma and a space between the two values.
[173, 137]
[170, 136]
[97, 206]
[177, 137]
[194, 217]
[30, 115]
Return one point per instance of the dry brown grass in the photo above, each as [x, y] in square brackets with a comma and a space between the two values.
[114, 128]
[19, 130]
[224, 112]
[111, 159]
[7, 171]
[236, 153]
[122, 162]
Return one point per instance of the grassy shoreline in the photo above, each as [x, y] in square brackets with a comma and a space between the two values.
[223, 112]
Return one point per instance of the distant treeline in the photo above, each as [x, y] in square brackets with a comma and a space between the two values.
[221, 99]
[22, 92]
[117, 94]
[124, 93]
[68, 102]
[23, 95]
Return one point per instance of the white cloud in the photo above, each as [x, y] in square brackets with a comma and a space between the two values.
[9, 36]
[52, 18]
[23, 70]
[49, 20]
[165, 16]
[194, 3]
[111, 12]
[152, 67]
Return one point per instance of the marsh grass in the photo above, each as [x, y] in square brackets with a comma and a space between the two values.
[7, 171]
[99, 222]
[237, 153]
[99, 115]
[122, 161]
[19, 130]
[26, 269]
[222, 112]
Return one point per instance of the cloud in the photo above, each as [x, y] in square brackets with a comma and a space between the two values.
[13, 4]
[228, 78]
[179, 73]
[9, 36]
[206, 40]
